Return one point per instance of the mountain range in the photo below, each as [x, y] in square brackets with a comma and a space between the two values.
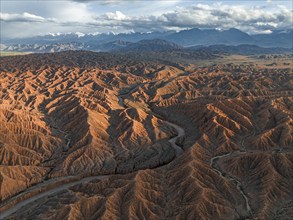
[192, 38]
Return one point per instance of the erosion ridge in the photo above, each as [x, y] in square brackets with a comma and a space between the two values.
[174, 140]
[66, 185]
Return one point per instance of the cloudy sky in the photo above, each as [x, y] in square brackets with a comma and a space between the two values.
[23, 18]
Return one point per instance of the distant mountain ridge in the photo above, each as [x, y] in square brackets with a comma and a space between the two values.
[186, 38]
[49, 48]
[150, 46]
[210, 37]
[146, 46]
[243, 49]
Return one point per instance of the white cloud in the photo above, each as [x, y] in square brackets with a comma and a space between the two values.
[74, 12]
[24, 17]
[252, 19]
[96, 16]
[118, 15]
[264, 32]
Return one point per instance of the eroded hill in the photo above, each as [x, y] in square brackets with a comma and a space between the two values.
[158, 140]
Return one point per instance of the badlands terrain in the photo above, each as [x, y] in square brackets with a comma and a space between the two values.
[88, 135]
